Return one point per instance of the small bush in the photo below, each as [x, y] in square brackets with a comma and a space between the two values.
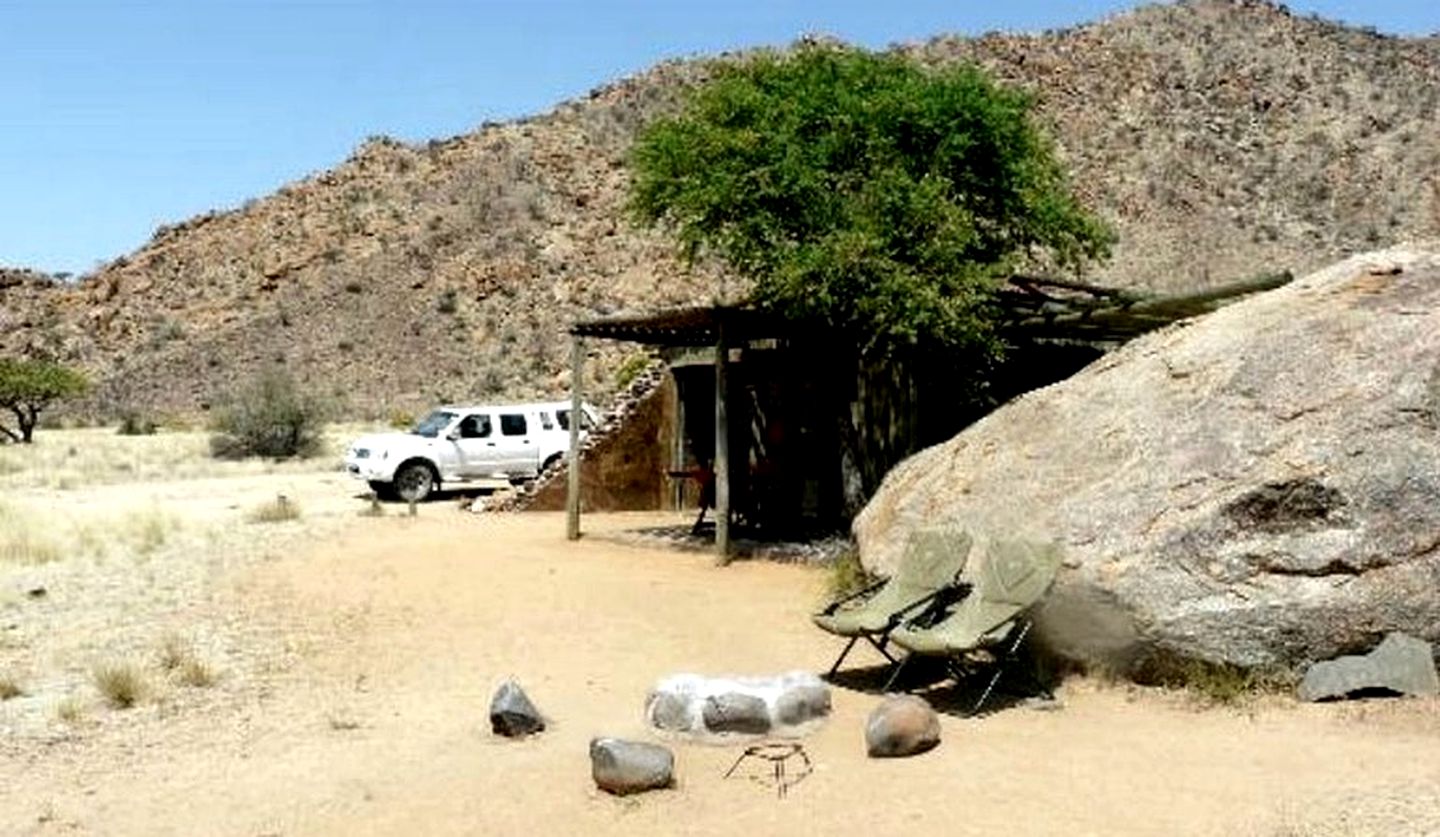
[9, 687]
[279, 510]
[121, 684]
[178, 659]
[135, 424]
[631, 369]
[269, 417]
[1214, 683]
[401, 420]
[847, 575]
[447, 302]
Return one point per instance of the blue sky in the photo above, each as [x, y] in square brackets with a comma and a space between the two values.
[117, 116]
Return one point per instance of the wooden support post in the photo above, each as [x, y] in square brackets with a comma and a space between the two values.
[722, 444]
[572, 464]
[677, 454]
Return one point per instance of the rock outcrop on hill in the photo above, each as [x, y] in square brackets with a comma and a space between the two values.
[1260, 486]
[1221, 138]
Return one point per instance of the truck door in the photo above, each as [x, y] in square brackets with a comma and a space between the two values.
[478, 449]
[519, 455]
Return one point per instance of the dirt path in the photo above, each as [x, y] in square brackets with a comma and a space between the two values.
[386, 643]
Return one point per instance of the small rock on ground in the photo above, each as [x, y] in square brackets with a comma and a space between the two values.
[624, 767]
[903, 725]
[512, 714]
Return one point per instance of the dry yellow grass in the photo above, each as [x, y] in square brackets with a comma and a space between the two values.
[279, 510]
[122, 684]
[72, 459]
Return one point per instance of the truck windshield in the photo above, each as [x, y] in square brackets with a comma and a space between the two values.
[431, 425]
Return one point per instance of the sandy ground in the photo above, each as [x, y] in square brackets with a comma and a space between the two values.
[358, 662]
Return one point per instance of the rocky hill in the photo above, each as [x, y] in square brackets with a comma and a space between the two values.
[1220, 138]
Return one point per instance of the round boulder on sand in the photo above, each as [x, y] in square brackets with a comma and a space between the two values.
[903, 725]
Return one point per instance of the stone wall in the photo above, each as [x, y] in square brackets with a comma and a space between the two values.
[624, 461]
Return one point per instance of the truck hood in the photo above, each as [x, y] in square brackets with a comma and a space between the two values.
[377, 443]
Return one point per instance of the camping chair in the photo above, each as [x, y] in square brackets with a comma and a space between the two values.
[930, 568]
[1007, 580]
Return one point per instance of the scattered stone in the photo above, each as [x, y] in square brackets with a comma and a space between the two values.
[669, 711]
[1400, 663]
[512, 714]
[802, 704]
[37, 592]
[624, 767]
[903, 725]
[785, 706]
[736, 712]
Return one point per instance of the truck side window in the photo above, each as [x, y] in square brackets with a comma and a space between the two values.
[512, 424]
[545, 421]
[475, 426]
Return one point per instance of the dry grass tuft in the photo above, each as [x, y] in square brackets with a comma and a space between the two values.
[10, 687]
[847, 575]
[178, 659]
[70, 710]
[1215, 684]
[279, 510]
[197, 674]
[122, 685]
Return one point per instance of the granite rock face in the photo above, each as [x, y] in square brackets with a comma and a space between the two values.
[1259, 486]
[1401, 664]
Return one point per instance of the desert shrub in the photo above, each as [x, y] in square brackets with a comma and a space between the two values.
[1213, 683]
[9, 687]
[401, 420]
[847, 575]
[447, 302]
[631, 369]
[268, 417]
[279, 510]
[178, 659]
[121, 684]
[136, 424]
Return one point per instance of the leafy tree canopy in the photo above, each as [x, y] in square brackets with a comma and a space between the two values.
[864, 191]
[29, 386]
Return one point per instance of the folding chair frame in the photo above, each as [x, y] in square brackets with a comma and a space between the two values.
[962, 668]
[938, 600]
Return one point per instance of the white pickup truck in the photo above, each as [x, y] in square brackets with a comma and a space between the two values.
[465, 444]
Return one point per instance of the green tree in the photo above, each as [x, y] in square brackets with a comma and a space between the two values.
[864, 192]
[27, 387]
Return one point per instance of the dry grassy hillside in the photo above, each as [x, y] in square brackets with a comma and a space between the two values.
[1220, 138]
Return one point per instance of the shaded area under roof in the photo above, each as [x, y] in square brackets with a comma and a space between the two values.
[1032, 308]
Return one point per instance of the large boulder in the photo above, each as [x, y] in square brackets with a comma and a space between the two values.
[1260, 486]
